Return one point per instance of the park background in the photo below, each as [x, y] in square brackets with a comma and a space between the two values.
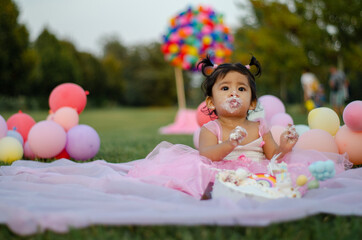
[133, 92]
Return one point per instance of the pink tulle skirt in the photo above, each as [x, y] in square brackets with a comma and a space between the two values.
[182, 168]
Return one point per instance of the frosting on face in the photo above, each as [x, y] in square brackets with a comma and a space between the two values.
[232, 104]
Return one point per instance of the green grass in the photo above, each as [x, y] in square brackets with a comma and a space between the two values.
[131, 133]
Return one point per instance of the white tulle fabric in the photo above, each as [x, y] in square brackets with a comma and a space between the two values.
[55, 196]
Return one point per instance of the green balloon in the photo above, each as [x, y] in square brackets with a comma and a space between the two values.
[313, 184]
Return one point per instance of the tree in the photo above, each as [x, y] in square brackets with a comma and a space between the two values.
[57, 63]
[113, 61]
[16, 61]
[149, 78]
[93, 76]
[340, 23]
[290, 35]
[270, 36]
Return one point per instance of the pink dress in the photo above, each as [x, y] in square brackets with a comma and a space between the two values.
[182, 168]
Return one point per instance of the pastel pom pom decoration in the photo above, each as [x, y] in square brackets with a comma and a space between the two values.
[68, 95]
[352, 116]
[193, 34]
[281, 119]
[22, 123]
[301, 128]
[272, 105]
[10, 150]
[202, 115]
[313, 184]
[47, 139]
[276, 131]
[196, 138]
[27, 151]
[325, 119]
[317, 139]
[82, 142]
[349, 142]
[322, 170]
[3, 127]
[66, 117]
[16, 135]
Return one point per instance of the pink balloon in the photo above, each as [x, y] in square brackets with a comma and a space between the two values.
[82, 142]
[27, 151]
[68, 95]
[352, 116]
[3, 127]
[276, 131]
[349, 142]
[22, 123]
[272, 105]
[66, 117]
[202, 116]
[281, 119]
[317, 139]
[196, 137]
[47, 139]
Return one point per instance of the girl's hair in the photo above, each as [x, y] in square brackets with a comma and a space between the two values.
[213, 72]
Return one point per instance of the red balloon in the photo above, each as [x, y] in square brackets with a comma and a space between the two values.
[202, 115]
[22, 123]
[68, 95]
[63, 154]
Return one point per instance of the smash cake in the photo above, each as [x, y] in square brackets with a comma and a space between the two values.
[240, 183]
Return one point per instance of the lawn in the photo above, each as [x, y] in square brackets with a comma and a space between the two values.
[131, 133]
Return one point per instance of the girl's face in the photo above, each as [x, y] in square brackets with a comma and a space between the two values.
[231, 95]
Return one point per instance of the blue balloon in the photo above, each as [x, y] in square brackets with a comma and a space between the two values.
[16, 135]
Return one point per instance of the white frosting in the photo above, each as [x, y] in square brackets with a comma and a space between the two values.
[238, 134]
[236, 185]
[232, 104]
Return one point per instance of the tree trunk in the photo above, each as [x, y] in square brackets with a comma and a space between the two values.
[180, 88]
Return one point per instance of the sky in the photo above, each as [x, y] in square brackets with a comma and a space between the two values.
[86, 23]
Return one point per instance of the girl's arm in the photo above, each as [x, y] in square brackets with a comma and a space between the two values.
[287, 141]
[210, 148]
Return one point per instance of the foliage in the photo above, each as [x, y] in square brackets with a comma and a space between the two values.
[288, 36]
[285, 36]
[15, 58]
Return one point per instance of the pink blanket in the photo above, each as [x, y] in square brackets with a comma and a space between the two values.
[38, 196]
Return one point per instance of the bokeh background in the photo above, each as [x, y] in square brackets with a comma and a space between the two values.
[123, 65]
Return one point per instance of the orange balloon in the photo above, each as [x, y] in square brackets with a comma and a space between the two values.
[349, 142]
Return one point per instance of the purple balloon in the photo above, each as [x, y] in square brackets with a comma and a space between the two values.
[82, 142]
[3, 127]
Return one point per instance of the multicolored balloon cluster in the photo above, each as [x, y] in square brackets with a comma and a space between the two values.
[194, 33]
[59, 136]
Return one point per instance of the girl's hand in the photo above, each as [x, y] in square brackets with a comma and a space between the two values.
[288, 139]
[237, 135]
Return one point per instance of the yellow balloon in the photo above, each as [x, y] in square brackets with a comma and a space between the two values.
[206, 40]
[301, 180]
[219, 53]
[174, 48]
[10, 149]
[193, 51]
[324, 118]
